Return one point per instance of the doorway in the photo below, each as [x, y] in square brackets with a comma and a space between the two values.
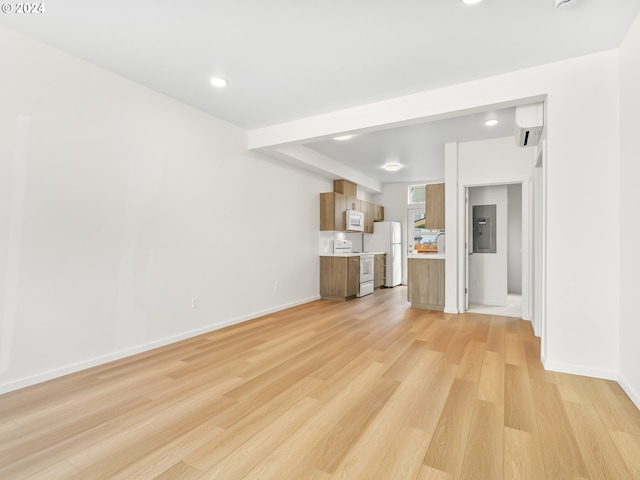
[495, 255]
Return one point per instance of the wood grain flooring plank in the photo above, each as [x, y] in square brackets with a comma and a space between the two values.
[629, 447]
[522, 455]
[446, 449]
[514, 350]
[239, 462]
[364, 458]
[519, 411]
[491, 385]
[332, 449]
[428, 473]
[598, 450]
[61, 469]
[562, 457]
[179, 471]
[470, 365]
[333, 408]
[484, 450]
[430, 401]
[404, 456]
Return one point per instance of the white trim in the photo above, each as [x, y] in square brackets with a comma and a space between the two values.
[582, 371]
[77, 367]
[633, 394]
[451, 310]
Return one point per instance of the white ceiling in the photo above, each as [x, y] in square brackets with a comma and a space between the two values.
[290, 59]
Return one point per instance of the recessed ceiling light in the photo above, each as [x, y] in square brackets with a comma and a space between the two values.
[566, 3]
[392, 167]
[471, 2]
[219, 82]
[491, 123]
[343, 137]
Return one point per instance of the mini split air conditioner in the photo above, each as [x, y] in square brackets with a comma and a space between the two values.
[529, 124]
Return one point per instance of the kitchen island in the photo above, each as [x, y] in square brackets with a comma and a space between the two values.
[425, 281]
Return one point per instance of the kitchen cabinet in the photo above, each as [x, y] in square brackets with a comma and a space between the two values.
[378, 213]
[434, 206]
[379, 269]
[332, 207]
[339, 277]
[349, 190]
[425, 283]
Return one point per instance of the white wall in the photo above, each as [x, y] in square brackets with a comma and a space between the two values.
[488, 271]
[514, 239]
[629, 204]
[118, 204]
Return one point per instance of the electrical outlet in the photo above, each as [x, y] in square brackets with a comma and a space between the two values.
[195, 302]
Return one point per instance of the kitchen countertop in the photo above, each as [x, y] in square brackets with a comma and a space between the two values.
[427, 256]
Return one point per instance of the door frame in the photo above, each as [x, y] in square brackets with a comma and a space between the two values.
[527, 242]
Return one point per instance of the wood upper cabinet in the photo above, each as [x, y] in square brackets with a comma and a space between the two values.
[425, 283]
[434, 206]
[339, 277]
[378, 213]
[349, 190]
[379, 270]
[332, 207]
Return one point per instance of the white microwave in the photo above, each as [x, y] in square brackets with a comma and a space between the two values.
[354, 221]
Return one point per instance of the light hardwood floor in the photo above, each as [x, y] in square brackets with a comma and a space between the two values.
[367, 389]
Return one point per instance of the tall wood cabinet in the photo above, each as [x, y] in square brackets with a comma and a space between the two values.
[339, 277]
[425, 283]
[434, 206]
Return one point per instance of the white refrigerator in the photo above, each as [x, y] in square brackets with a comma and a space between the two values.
[386, 237]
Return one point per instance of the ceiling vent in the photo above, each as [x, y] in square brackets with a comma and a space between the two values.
[529, 124]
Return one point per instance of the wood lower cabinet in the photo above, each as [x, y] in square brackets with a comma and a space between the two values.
[434, 206]
[339, 277]
[380, 270]
[425, 283]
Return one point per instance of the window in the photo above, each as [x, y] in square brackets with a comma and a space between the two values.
[416, 195]
[419, 237]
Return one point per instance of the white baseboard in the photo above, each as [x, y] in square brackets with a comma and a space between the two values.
[77, 367]
[578, 370]
[633, 394]
[451, 310]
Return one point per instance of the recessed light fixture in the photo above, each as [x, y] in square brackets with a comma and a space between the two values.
[392, 167]
[343, 137]
[491, 122]
[471, 2]
[219, 82]
[566, 3]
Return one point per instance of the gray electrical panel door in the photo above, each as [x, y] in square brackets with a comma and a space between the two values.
[484, 229]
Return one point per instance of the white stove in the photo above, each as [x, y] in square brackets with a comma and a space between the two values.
[366, 266]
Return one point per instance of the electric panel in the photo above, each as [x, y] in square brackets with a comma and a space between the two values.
[484, 229]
